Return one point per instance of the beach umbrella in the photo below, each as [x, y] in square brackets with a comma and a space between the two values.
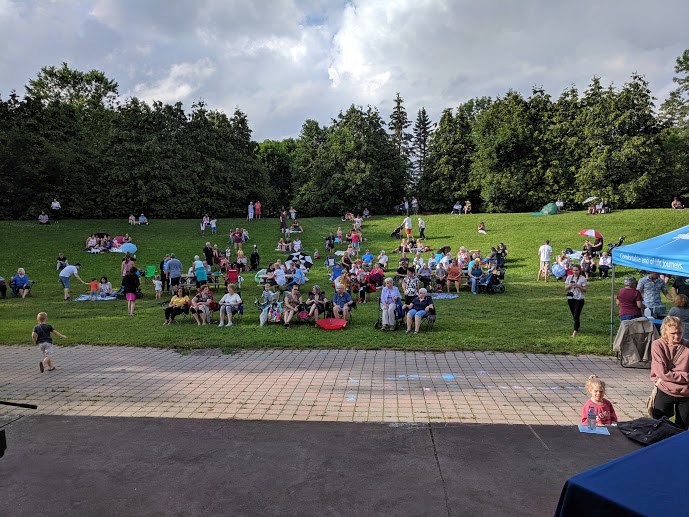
[589, 199]
[128, 247]
[306, 260]
[591, 233]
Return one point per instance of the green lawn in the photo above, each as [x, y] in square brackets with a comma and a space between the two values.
[528, 317]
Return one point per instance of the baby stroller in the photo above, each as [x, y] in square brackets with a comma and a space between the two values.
[397, 234]
[490, 283]
[613, 245]
[399, 317]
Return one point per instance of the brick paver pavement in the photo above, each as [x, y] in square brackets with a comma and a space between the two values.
[316, 385]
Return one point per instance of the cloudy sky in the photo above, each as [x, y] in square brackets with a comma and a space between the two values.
[285, 61]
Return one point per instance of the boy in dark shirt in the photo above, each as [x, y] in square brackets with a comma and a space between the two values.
[41, 337]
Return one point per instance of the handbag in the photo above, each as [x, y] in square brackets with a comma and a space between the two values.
[650, 401]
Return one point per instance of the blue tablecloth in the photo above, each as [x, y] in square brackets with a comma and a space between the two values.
[650, 481]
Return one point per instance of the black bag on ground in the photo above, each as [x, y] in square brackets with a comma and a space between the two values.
[649, 430]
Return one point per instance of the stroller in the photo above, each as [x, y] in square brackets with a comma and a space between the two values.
[397, 234]
[612, 245]
[490, 283]
[399, 317]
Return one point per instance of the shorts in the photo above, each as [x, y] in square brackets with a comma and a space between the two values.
[64, 280]
[407, 231]
[413, 312]
[46, 348]
[131, 297]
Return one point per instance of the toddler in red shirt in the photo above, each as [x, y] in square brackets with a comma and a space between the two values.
[605, 413]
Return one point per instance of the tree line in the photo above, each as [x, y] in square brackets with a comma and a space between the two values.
[70, 137]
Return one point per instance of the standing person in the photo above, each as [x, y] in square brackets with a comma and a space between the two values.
[257, 209]
[205, 221]
[164, 273]
[650, 287]
[407, 226]
[41, 337]
[405, 204]
[200, 272]
[214, 225]
[174, 270]
[250, 211]
[670, 372]
[292, 213]
[544, 253]
[415, 205]
[629, 300]
[130, 281]
[65, 274]
[55, 207]
[576, 286]
[208, 252]
[422, 228]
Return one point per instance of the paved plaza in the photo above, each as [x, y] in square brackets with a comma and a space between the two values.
[316, 385]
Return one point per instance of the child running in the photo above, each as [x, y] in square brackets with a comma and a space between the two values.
[41, 337]
[605, 413]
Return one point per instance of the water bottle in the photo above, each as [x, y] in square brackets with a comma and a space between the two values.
[591, 418]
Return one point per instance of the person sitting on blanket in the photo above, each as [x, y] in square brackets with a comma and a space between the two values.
[104, 287]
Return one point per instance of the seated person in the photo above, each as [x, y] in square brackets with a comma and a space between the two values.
[402, 272]
[179, 304]
[454, 276]
[475, 272]
[43, 218]
[440, 277]
[677, 204]
[316, 303]
[241, 261]
[597, 245]
[142, 219]
[91, 243]
[20, 283]
[367, 259]
[418, 309]
[418, 260]
[457, 209]
[432, 262]
[482, 228]
[606, 208]
[383, 260]
[604, 264]
[132, 219]
[366, 214]
[229, 305]
[587, 266]
[376, 276]
[347, 261]
[342, 302]
[104, 287]
[295, 227]
[298, 276]
[467, 207]
[127, 238]
[559, 204]
[290, 304]
[61, 262]
[268, 296]
[591, 210]
[201, 306]
[296, 245]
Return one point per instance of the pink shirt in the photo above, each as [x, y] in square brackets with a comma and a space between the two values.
[605, 413]
[674, 380]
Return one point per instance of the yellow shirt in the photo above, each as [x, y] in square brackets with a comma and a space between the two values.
[177, 301]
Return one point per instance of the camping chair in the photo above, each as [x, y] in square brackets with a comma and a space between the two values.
[330, 262]
[150, 271]
[427, 321]
[258, 275]
[233, 277]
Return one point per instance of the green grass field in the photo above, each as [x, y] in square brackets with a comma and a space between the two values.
[530, 316]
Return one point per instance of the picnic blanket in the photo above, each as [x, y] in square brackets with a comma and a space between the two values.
[87, 298]
[443, 296]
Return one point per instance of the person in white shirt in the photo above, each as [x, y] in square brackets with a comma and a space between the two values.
[383, 260]
[604, 264]
[280, 278]
[296, 245]
[407, 225]
[229, 305]
[544, 253]
[55, 208]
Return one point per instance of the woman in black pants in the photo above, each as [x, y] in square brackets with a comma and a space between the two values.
[576, 285]
[670, 371]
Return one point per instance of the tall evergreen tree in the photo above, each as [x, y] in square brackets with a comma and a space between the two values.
[398, 125]
[422, 136]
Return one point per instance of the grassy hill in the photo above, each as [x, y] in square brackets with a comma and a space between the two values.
[530, 316]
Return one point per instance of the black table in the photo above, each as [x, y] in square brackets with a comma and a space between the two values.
[650, 481]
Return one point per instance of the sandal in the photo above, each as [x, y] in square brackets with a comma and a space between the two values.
[41, 367]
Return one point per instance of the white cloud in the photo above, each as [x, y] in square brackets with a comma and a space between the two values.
[285, 61]
[182, 80]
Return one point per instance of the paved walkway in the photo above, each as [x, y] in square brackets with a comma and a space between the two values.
[313, 385]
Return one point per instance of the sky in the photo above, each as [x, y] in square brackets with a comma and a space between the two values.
[283, 62]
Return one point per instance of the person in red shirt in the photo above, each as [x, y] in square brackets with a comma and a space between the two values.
[629, 300]
[605, 413]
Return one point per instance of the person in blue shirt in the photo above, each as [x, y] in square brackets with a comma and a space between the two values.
[342, 302]
[298, 278]
[367, 259]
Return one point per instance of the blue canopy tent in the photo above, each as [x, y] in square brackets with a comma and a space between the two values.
[667, 254]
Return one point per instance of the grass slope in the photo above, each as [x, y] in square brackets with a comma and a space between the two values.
[528, 317]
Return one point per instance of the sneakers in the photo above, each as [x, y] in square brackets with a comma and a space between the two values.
[229, 324]
[221, 324]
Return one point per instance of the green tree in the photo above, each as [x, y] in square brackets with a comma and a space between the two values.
[66, 86]
[420, 142]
